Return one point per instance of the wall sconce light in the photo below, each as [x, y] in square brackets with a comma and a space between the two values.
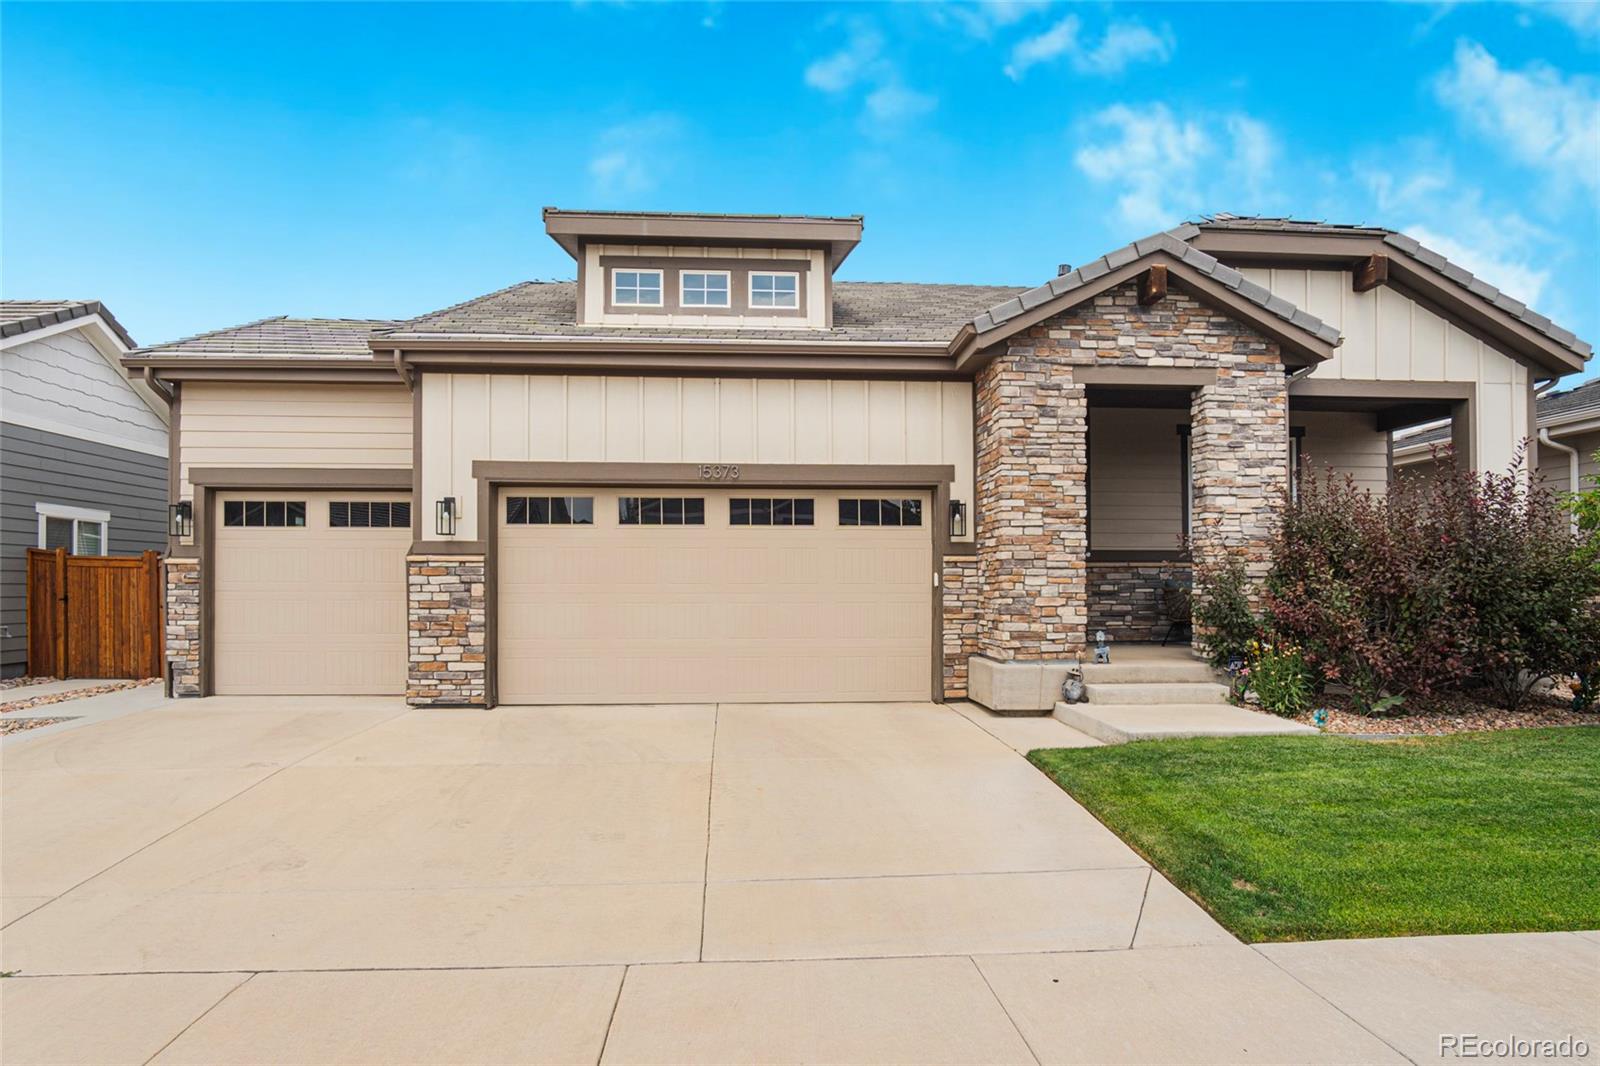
[958, 519]
[180, 519]
[445, 517]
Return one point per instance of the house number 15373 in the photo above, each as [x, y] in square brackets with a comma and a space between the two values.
[720, 472]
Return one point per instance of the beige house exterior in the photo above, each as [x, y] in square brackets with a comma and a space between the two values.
[709, 470]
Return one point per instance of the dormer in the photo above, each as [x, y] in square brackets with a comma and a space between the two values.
[704, 271]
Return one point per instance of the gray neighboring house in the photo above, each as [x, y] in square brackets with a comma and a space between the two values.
[83, 449]
[1568, 431]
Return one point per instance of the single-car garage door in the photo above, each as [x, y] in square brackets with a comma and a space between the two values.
[310, 593]
[744, 595]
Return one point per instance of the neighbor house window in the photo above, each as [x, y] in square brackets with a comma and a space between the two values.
[267, 514]
[880, 512]
[636, 288]
[774, 290]
[373, 514]
[78, 529]
[549, 510]
[703, 288]
[760, 512]
[661, 511]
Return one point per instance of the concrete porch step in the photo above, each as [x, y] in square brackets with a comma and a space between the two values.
[1159, 693]
[1118, 724]
[1146, 672]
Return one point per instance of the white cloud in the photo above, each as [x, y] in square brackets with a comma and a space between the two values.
[859, 58]
[1583, 16]
[894, 103]
[1541, 118]
[1495, 242]
[1506, 272]
[1169, 167]
[982, 19]
[859, 63]
[1123, 44]
[629, 158]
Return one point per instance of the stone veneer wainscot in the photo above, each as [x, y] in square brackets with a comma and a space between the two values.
[1032, 443]
[183, 625]
[447, 625]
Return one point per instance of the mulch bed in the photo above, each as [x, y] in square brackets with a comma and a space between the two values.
[17, 725]
[62, 697]
[1443, 715]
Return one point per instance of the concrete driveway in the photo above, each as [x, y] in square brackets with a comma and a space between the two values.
[319, 880]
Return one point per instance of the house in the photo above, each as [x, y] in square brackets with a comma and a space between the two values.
[1568, 440]
[84, 448]
[709, 470]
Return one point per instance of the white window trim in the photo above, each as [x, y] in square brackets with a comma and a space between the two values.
[751, 295]
[684, 305]
[46, 511]
[660, 286]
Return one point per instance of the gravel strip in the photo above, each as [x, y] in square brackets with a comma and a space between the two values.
[18, 682]
[18, 725]
[1452, 715]
[77, 693]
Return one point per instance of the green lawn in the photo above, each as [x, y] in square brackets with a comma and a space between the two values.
[1297, 838]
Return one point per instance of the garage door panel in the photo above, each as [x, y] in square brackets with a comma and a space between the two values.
[608, 613]
[309, 610]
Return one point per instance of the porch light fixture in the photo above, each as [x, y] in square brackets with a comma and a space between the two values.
[180, 519]
[445, 517]
[958, 519]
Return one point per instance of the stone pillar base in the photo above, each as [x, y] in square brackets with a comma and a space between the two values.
[183, 625]
[1017, 688]
[447, 626]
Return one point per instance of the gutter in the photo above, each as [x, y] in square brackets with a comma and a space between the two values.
[1572, 463]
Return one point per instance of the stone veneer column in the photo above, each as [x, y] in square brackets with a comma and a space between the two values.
[183, 625]
[1239, 455]
[1032, 526]
[447, 623]
[962, 601]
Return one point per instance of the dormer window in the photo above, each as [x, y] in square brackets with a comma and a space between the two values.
[774, 290]
[703, 288]
[636, 288]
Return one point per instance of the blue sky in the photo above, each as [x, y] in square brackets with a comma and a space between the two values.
[197, 166]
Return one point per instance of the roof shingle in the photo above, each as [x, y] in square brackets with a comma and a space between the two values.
[280, 337]
[25, 316]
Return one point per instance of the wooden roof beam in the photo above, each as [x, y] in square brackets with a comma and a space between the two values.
[1370, 273]
[1153, 285]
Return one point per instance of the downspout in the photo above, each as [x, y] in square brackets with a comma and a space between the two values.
[1572, 463]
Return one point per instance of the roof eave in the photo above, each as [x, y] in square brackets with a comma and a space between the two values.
[1300, 347]
[1407, 272]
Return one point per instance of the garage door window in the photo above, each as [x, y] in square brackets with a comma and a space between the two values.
[283, 514]
[369, 514]
[880, 512]
[549, 510]
[767, 512]
[661, 511]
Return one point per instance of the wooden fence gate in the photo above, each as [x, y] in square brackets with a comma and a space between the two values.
[94, 615]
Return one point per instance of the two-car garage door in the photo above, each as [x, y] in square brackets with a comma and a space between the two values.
[731, 595]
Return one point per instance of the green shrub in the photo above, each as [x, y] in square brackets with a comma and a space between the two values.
[1280, 677]
[1225, 623]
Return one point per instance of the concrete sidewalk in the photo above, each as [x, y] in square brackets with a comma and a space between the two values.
[349, 880]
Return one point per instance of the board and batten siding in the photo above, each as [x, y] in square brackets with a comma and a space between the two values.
[295, 425]
[1390, 337]
[43, 467]
[570, 418]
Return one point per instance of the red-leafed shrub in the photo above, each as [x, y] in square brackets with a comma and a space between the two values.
[1364, 584]
[1458, 579]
